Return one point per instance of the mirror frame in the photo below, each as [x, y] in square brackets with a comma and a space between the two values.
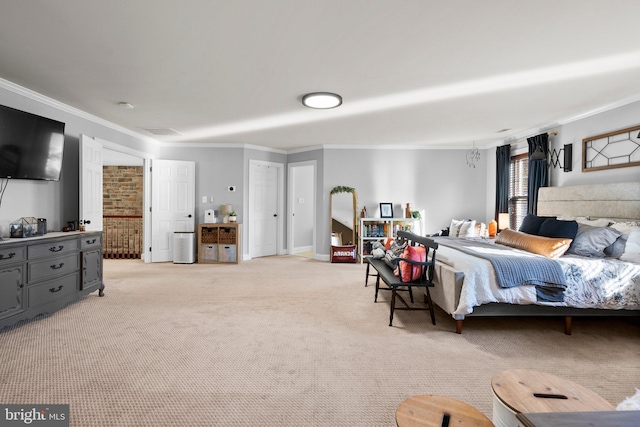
[342, 189]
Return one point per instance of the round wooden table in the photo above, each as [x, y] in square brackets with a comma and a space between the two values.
[525, 390]
[429, 411]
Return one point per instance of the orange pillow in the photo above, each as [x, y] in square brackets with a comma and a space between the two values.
[387, 242]
[546, 246]
[414, 253]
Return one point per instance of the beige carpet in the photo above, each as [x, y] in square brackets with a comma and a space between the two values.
[281, 341]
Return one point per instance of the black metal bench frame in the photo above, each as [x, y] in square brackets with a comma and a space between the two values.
[396, 284]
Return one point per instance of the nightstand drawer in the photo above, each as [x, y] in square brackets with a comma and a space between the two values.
[53, 290]
[53, 267]
[53, 249]
[10, 255]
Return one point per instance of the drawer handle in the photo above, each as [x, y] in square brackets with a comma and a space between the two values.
[56, 267]
[91, 242]
[58, 249]
[58, 289]
[11, 255]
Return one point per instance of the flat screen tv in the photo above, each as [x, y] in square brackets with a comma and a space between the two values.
[31, 146]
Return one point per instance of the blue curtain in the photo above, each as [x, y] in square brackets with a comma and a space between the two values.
[503, 165]
[538, 170]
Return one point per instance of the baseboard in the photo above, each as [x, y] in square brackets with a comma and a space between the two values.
[301, 249]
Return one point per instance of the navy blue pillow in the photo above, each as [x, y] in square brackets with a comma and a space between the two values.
[531, 223]
[559, 229]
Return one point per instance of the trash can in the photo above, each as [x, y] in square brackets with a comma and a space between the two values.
[184, 247]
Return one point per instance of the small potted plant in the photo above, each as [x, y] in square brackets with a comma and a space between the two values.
[232, 216]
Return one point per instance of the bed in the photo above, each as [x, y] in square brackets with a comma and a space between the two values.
[466, 284]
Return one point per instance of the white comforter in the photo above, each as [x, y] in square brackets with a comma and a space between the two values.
[591, 283]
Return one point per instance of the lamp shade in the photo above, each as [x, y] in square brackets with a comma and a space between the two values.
[321, 100]
[503, 221]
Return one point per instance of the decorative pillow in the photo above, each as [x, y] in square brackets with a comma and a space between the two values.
[616, 249]
[546, 246]
[395, 250]
[481, 230]
[412, 271]
[626, 227]
[387, 242]
[462, 228]
[592, 241]
[601, 222]
[531, 223]
[632, 249]
[559, 229]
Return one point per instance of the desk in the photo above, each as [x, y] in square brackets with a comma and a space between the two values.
[581, 419]
[428, 411]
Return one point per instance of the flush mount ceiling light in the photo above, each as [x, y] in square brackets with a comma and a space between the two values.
[125, 104]
[321, 100]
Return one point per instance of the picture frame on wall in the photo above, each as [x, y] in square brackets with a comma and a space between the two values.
[386, 210]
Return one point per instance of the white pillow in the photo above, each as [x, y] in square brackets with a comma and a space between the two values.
[462, 228]
[632, 249]
[481, 230]
[626, 227]
[602, 222]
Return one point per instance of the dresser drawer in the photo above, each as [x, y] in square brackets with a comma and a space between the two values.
[52, 290]
[53, 267]
[11, 255]
[90, 241]
[53, 248]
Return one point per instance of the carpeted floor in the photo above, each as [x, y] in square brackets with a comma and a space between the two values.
[281, 341]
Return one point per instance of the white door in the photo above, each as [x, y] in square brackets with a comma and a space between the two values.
[301, 231]
[90, 183]
[263, 209]
[172, 204]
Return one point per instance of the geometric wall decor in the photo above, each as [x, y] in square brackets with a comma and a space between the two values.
[619, 149]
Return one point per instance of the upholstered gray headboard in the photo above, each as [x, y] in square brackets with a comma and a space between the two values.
[616, 201]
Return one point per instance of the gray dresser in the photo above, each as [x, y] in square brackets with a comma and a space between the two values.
[43, 274]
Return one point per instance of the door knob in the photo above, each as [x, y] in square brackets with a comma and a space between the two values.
[275, 215]
[189, 216]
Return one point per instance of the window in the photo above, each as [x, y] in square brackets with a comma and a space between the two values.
[518, 188]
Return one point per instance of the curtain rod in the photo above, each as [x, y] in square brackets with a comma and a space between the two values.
[555, 132]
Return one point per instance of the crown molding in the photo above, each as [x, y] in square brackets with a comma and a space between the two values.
[604, 108]
[38, 97]
[239, 145]
[519, 137]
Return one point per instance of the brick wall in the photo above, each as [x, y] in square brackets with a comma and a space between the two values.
[122, 188]
[122, 195]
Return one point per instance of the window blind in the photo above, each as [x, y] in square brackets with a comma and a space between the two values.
[518, 186]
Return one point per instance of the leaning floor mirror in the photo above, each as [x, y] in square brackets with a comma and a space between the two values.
[344, 224]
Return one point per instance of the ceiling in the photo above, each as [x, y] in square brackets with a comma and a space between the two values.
[411, 73]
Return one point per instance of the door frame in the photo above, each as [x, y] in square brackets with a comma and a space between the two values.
[290, 202]
[281, 206]
[146, 190]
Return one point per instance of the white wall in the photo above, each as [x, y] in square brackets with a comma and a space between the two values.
[573, 133]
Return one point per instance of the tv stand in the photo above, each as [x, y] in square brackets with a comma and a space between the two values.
[44, 274]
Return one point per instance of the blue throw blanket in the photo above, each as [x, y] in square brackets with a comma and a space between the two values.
[515, 270]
